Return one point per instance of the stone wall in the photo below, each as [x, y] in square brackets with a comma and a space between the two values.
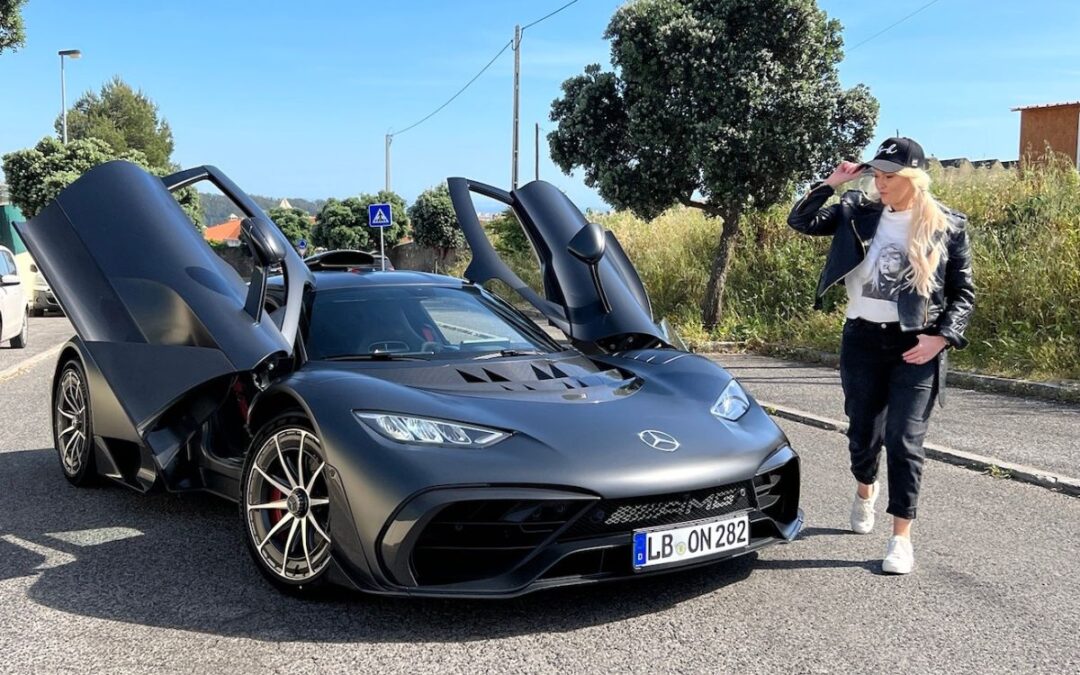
[412, 256]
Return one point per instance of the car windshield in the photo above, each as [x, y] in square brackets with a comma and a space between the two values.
[415, 322]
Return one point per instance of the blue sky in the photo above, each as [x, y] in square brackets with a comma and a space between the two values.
[294, 98]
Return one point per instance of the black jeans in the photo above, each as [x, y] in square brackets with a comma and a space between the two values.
[887, 401]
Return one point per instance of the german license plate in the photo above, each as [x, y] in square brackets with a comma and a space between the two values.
[686, 542]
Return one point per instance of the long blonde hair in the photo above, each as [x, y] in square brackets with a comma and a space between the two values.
[926, 245]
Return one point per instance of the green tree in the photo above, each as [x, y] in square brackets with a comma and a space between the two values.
[340, 224]
[337, 215]
[122, 117]
[36, 175]
[434, 222]
[509, 239]
[294, 223]
[12, 35]
[720, 105]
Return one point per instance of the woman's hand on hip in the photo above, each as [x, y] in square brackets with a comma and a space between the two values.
[843, 173]
[929, 346]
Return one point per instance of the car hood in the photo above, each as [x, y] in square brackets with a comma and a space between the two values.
[575, 436]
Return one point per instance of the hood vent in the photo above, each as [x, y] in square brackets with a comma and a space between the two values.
[495, 377]
[539, 376]
[470, 378]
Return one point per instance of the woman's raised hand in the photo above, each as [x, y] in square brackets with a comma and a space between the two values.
[843, 173]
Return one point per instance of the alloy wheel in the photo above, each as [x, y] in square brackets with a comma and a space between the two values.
[287, 505]
[71, 421]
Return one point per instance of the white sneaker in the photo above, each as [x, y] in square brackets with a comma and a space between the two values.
[862, 511]
[900, 557]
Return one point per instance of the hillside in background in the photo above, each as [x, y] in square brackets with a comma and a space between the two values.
[216, 208]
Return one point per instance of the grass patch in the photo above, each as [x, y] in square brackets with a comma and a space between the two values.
[995, 471]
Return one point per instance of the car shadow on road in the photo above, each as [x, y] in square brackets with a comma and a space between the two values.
[808, 532]
[820, 563]
[179, 561]
[868, 565]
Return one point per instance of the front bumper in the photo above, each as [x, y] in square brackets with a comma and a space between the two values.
[505, 541]
[44, 299]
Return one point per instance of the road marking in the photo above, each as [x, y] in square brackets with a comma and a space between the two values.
[20, 368]
[96, 536]
[53, 558]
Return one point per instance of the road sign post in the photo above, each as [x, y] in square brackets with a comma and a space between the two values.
[380, 216]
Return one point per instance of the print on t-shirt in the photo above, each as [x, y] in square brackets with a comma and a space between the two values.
[886, 275]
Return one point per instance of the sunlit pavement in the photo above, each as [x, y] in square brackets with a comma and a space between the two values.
[105, 579]
[45, 334]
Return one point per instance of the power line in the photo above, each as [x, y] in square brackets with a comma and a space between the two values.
[516, 44]
[547, 16]
[893, 25]
[459, 92]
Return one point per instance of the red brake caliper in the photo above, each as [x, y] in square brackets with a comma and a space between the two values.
[276, 514]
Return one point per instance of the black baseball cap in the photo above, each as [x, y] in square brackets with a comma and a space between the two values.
[898, 153]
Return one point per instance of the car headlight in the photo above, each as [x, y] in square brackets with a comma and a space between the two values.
[732, 404]
[423, 431]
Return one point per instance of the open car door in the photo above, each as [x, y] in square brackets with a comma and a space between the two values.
[157, 310]
[591, 290]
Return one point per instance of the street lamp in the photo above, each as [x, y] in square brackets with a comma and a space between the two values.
[71, 54]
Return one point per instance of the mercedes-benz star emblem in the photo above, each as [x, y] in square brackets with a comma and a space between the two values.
[659, 440]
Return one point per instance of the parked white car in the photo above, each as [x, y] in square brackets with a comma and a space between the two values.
[14, 318]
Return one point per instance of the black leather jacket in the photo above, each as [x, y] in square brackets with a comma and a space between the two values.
[852, 223]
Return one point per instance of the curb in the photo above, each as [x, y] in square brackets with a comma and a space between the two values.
[968, 460]
[23, 366]
[720, 347]
[1066, 393]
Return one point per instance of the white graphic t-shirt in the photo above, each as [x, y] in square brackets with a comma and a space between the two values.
[873, 286]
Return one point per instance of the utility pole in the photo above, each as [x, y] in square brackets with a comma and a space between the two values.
[537, 151]
[517, 83]
[389, 140]
[71, 54]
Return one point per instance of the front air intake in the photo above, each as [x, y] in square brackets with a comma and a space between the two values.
[485, 538]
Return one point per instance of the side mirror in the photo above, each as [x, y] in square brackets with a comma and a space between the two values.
[266, 241]
[588, 244]
[9, 280]
[588, 247]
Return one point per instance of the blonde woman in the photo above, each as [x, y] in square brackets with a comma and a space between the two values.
[906, 264]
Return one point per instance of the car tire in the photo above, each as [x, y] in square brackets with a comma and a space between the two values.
[285, 505]
[72, 423]
[19, 341]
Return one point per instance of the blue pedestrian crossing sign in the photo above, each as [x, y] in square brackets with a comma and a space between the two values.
[380, 215]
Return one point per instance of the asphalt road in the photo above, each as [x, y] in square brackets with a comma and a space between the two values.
[107, 580]
[1027, 431]
[45, 333]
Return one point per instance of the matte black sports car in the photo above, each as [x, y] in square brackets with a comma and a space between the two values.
[399, 432]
